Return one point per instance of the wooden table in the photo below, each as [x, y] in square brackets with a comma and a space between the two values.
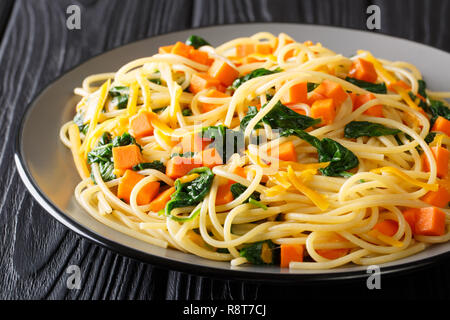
[36, 47]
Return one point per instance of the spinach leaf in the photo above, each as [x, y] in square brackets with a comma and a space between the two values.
[120, 96]
[188, 154]
[369, 86]
[214, 132]
[79, 121]
[124, 140]
[159, 109]
[257, 203]
[254, 74]
[438, 109]
[186, 112]
[422, 92]
[106, 171]
[357, 129]
[102, 153]
[421, 103]
[226, 141]
[261, 252]
[280, 117]
[118, 91]
[422, 88]
[237, 189]
[399, 141]
[196, 41]
[311, 86]
[341, 159]
[251, 113]
[156, 81]
[430, 137]
[315, 142]
[190, 193]
[157, 165]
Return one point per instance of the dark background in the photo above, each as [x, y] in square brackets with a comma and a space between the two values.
[36, 47]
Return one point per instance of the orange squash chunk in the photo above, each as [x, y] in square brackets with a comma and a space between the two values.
[439, 198]
[141, 125]
[387, 227]
[410, 217]
[127, 183]
[125, 157]
[180, 166]
[442, 125]
[363, 70]
[223, 72]
[332, 90]
[194, 143]
[165, 49]
[263, 48]
[182, 49]
[325, 110]
[286, 151]
[360, 99]
[211, 158]
[244, 49]
[200, 57]
[290, 252]
[201, 81]
[430, 221]
[296, 94]
[224, 194]
[314, 96]
[161, 200]
[441, 155]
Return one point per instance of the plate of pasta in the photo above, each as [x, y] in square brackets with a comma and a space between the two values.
[263, 151]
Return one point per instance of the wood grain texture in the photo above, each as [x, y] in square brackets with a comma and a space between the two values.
[36, 47]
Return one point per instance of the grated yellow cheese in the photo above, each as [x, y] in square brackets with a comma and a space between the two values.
[301, 166]
[405, 177]
[174, 107]
[280, 179]
[255, 159]
[132, 99]
[270, 57]
[318, 199]
[168, 139]
[161, 126]
[386, 239]
[188, 178]
[275, 191]
[437, 141]
[405, 96]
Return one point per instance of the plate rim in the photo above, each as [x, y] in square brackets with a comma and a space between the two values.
[166, 262]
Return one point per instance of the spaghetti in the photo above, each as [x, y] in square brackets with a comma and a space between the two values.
[265, 150]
